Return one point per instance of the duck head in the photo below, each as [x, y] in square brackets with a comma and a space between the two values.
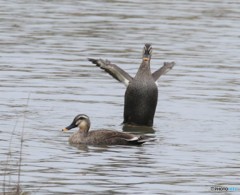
[147, 52]
[82, 121]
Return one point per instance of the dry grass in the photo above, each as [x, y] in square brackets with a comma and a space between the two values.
[14, 189]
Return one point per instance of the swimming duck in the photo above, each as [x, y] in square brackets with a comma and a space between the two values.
[141, 95]
[99, 137]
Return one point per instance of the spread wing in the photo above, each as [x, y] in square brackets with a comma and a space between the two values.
[116, 72]
[164, 69]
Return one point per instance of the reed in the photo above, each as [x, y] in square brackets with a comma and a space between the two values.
[16, 190]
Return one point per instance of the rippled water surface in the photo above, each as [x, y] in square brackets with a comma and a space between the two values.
[46, 80]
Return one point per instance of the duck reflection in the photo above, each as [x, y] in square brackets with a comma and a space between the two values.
[138, 129]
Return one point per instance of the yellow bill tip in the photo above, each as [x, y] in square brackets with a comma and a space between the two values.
[64, 129]
[145, 59]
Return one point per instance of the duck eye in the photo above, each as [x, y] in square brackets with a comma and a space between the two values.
[150, 50]
[78, 122]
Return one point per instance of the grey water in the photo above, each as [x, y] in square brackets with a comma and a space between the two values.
[46, 79]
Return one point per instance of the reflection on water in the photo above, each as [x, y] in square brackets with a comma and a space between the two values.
[138, 129]
[44, 51]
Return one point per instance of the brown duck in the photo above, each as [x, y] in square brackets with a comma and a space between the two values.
[99, 137]
[141, 94]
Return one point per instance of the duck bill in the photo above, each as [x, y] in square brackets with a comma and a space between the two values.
[146, 59]
[68, 127]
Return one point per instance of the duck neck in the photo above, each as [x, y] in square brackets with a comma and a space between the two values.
[83, 132]
[144, 68]
[84, 128]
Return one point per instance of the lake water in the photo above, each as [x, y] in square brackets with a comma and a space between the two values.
[46, 80]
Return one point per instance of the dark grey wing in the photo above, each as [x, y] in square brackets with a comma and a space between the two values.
[113, 70]
[164, 69]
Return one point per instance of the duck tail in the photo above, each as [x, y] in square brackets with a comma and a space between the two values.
[137, 140]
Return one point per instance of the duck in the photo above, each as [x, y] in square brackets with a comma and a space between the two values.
[99, 137]
[141, 95]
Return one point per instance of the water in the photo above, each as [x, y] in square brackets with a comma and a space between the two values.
[46, 80]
